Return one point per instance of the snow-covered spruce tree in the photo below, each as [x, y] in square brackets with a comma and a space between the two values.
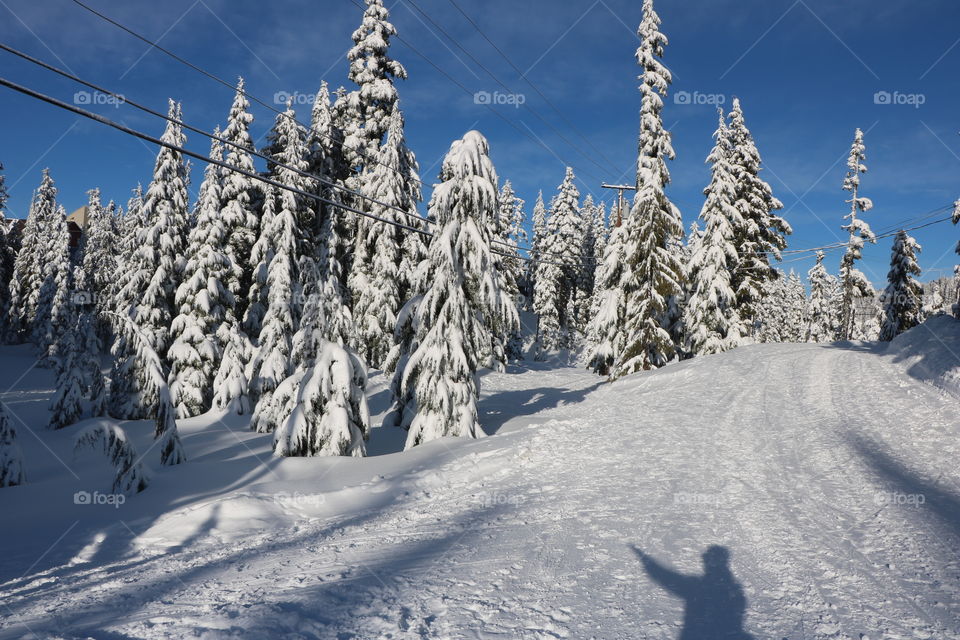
[89, 345]
[203, 301]
[330, 415]
[759, 234]
[122, 388]
[558, 273]
[156, 265]
[375, 282]
[230, 391]
[272, 359]
[99, 247]
[288, 146]
[821, 324]
[712, 322]
[56, 291]
[28, 268]
[510, 231]
[604, 334]
[154, 392]
[237, 197]
[652, 274]
[510, 269]
[855, 283]
[439, 378]
[372, 70]
[539, 224]
[588, 249]
[66, 407]
[903, 297]
[132, 476]
[11, 458]
[156, 268]
[795, 308]
[600, 234]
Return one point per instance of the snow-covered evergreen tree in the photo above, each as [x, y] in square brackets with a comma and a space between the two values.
[28, 270]
[155, 392]
[712, 322]
[122, 388]
[821, 319]
[11, 458]
[238, 195]
[203, 300]
[539, 218]
[652, 274]
[439, 381]
[273, 358]
[759, 234]
[230, 391]
[795, 321]
[604, 335]
[56, 291]
[66, 407]
[131, 474]
[903, 297]
[376, 284]
[510, 268]
[855, 283]
[98, 248]
[372, 69]
[156, 265]
[330, 415]
[557, 278]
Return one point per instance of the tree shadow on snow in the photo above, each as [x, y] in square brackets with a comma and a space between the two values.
[906, 486]
[326, 604]
[714, 603]
[498, 408]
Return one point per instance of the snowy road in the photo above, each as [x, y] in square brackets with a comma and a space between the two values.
[825, 479]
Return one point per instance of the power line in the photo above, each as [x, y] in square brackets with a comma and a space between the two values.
[198, 156]
[212, 136]
[229, 85]
[254, 152]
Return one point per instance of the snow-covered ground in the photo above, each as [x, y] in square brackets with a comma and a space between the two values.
[781, 491]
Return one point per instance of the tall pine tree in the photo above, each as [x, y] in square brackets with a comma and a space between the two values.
[903, 297]
[855, 284]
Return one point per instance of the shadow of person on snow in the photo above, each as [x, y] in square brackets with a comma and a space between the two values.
[714, 603]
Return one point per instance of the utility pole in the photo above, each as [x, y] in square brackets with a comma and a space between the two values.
[620, 189]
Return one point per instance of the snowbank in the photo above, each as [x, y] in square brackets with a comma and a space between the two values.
[931, 352]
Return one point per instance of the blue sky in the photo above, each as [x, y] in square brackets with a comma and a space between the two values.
[807, 72]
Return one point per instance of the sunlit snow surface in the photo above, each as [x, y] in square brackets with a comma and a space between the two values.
[780, 491]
